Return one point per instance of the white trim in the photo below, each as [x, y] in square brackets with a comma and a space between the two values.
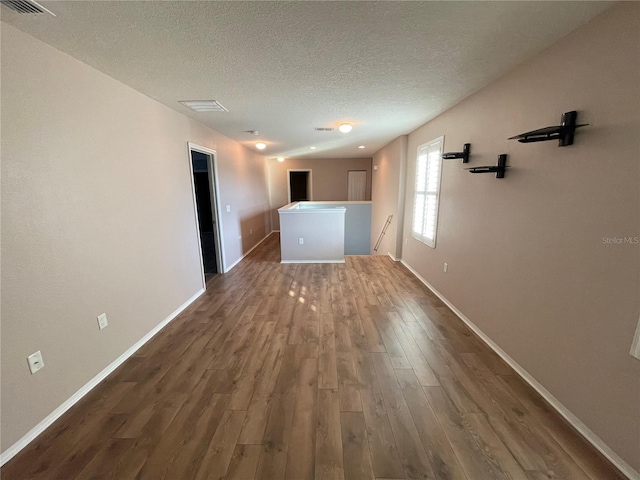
[10, 452]
[215, 203]
[248, 252]
[334, 202]
[585, 431]
[394, 258]
[635, 344]
[310, 181]
[313, 261]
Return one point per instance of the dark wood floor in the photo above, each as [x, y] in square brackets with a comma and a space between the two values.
[352, 371]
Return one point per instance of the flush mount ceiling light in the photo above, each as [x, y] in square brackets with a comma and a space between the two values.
[261, 145]
[361, 146]
[281, 159]
[204, 105]
[345, 127]
[312, 148]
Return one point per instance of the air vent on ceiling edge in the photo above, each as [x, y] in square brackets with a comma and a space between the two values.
[324, 129]
[26, 7]
[204, 105]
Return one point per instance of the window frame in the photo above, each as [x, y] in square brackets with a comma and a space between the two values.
[421, 235]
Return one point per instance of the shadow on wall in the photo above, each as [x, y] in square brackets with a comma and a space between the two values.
[252, 230]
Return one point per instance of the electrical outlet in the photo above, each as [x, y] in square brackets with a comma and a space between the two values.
[406, 241]
[251, 231]
[102, 321]
[35, 362]
[445, 268]
[228, 208]
[300, 241]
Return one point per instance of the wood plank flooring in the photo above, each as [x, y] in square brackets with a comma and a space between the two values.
[350, 371]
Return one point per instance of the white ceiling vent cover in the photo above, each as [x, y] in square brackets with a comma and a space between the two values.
[324, 129]
[204, 105]
[26, 7]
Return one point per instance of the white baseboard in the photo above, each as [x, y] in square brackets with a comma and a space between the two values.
[248, 252]
[10, 452]
[394, 258]
[312, 261]
[585, 431]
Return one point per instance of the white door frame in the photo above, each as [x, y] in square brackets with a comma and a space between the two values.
[212, 167]
[309, 185]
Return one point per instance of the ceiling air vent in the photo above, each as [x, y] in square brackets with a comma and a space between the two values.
[204, 105]
[26, 7]
[324, 129]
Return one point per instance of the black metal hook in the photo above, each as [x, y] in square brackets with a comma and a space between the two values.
[464, 154]
[563, 133]
[499, 169]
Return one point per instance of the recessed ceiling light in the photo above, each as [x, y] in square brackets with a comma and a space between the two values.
[204, 105]
[361, 146]
[281, 159]
[345, 127]
[312, 148]
[261, 145]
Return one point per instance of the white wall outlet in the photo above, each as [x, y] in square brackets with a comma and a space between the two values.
[300, 241]
[406, 241]
[35, 362]
[102, 321]
[228, 207]
[251, 231]
[445, 267]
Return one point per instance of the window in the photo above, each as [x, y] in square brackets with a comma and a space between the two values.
[425, 205]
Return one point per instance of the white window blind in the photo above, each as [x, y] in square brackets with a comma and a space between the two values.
[425, 205]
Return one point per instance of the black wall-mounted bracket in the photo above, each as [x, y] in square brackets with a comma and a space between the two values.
[464, 154]
[498, 169]
[563, 133]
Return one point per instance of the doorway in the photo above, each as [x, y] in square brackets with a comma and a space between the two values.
[357, 185]
[204, 193]
[299, 185]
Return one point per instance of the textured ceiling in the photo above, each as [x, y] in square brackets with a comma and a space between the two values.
[284, 68]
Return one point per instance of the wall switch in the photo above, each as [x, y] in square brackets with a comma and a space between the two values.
[35, 362]
[445, 268]
[228, 207]
[102, 321]
[300, 241]
[251, 231]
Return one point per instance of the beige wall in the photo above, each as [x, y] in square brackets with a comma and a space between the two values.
[242, 176]
[387, 195]
[97, 216]
[329, 179]
[527, 262]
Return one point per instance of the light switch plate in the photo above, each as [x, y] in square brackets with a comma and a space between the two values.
[35, 362]
[102, 321]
